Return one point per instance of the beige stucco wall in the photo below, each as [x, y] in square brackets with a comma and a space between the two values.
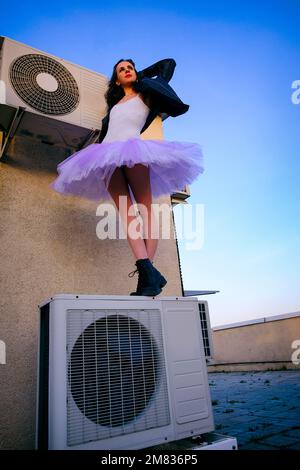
[259, 346]
[49, 246]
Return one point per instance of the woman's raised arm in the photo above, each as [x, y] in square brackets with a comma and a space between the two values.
[163, 68]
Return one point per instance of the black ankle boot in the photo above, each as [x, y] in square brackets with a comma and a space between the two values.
[149, 282]
[162, 281]
[159, 278]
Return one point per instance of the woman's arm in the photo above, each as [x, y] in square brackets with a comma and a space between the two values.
[163, 68]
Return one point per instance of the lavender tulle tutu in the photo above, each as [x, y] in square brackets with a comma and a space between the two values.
[87, 172]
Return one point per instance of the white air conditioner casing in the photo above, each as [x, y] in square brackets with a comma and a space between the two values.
[120, 373]
[50, 86]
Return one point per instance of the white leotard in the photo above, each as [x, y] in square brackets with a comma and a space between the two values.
[126, 120]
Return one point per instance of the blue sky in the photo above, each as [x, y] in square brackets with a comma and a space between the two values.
[236, 62]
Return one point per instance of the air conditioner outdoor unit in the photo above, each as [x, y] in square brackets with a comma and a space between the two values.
[181, 196]
[120, 373]
[47, 98]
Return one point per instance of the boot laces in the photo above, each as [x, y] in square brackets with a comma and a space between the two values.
[133, 273]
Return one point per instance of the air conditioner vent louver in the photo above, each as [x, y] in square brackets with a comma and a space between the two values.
[113, 357]
[115, 370]
[206, 329]
[23, 75]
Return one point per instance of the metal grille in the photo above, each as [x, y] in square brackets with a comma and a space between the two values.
[23, 76]
[205, 329]
[116, 374]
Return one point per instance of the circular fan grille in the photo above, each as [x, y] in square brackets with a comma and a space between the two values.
[24, 72]
[113, 370]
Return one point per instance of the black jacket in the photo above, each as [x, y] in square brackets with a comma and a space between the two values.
[163, 98]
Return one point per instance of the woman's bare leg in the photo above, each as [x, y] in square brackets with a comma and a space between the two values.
[139, 179]
[118, 186]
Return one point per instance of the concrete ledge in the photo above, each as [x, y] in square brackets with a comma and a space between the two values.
[252, 366]
[284, 316]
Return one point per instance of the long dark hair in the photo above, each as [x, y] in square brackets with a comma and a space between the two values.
[114, 92]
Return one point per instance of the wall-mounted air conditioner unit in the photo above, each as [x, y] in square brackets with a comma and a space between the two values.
[48, 98]
[118, 373]
[181, 196]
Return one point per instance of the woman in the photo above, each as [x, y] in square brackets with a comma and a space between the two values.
[123, 164]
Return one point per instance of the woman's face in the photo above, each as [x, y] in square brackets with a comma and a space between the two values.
[125, 73]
